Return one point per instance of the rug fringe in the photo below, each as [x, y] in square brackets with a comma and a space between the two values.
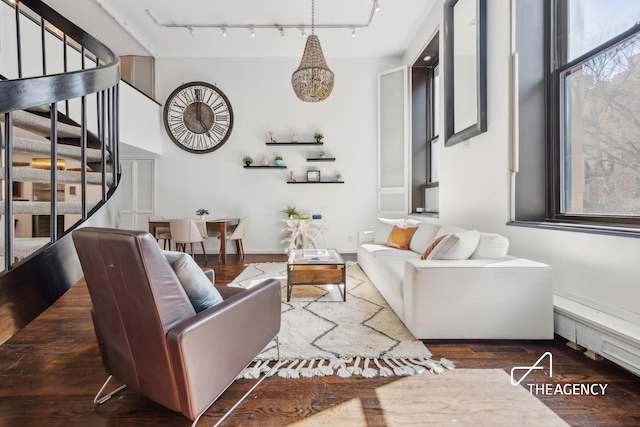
[346, 368]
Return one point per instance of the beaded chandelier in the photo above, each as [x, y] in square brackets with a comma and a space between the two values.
[313, 80]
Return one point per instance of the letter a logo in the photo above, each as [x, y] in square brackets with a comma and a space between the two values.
[535, 366]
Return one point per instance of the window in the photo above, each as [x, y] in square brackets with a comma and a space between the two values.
[434, 150]
[425, 85]
[595, 119]
[431, 188]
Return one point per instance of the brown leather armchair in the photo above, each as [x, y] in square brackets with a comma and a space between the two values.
[151, 338]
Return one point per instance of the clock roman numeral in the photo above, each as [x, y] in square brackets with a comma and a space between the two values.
[222, 106]
[219, 129]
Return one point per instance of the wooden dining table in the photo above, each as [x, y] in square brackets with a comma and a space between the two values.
[210, 226]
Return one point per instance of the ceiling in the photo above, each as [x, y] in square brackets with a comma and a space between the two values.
[143, 27]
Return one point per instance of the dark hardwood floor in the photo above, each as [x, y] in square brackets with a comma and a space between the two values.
[50, 371]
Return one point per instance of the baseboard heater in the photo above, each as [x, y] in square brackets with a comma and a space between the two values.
[608, 336]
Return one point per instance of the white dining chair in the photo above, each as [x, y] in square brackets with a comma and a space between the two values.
[183, 231]
[162, 233]
[237, 234]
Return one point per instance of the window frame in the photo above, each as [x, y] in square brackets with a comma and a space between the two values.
[431, 120]
[557, 45]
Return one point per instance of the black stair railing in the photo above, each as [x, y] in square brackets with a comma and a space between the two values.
[24, 93]
[26, 290]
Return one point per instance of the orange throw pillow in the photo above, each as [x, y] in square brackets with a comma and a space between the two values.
[400, 237]
[432, 246]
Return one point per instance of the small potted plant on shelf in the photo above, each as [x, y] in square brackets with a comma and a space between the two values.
[322, 153]
[318, 136]
[279, 161]
[338, 176]
[202, 213]
[291, 212]
[247, 160]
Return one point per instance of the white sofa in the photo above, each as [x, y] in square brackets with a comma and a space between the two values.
[486, 295]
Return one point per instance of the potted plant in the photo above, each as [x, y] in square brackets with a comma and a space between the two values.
[291, 212]
[318, 136]
[338, 176]
[279, 161]
[322, 153]
[247, 160]
[202, 212]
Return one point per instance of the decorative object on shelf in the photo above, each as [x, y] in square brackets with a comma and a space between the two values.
[313, 80]
[291, 177]
[279, 161]
[198, 117]
[338, 176]
[247, 160]
[313, 176]
[202, 213]
[318, 136]
[322, 153]
[316, 216]
[303, 216]
[272, 138]
[265, 161]
[290, 211]
[294, 137]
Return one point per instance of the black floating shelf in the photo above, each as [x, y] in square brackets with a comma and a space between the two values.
[321, 159]
[295, 143]
[315, 182]
[265, 167]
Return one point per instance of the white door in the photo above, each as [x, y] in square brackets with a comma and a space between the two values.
[137, 186]
[393, 125]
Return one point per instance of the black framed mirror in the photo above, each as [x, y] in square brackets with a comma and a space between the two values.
[465, 70]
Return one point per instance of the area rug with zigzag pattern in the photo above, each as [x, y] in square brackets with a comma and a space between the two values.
[323, 335]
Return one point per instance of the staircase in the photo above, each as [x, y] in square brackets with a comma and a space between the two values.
[59, 138]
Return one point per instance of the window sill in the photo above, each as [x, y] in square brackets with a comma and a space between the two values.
[579, 228]
[425, 214]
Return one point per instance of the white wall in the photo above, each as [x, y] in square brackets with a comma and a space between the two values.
[262, 100]
[600, 271]
[140, 124]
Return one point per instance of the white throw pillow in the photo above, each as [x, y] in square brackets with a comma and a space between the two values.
[448, 229]
[491, 246]
[423, 237]
[456, 246]
[385, 225]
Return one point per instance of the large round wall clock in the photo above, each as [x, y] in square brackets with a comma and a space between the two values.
[198, 117]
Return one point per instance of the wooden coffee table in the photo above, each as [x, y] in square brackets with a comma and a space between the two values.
[316, 267]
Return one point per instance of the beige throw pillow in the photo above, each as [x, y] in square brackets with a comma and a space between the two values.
[385, 225]
[400, 237]
[431, 247]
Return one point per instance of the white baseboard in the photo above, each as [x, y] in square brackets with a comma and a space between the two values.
[608, 336]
